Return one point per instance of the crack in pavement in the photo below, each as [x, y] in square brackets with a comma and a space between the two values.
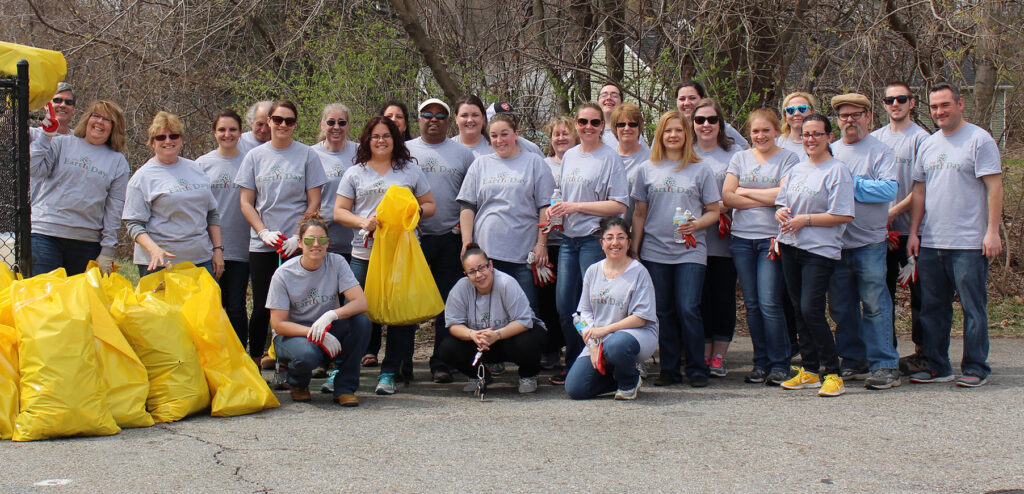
[260, 488]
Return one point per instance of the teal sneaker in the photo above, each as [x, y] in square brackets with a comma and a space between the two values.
[386, 384]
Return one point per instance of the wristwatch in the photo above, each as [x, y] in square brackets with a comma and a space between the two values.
[218, 247]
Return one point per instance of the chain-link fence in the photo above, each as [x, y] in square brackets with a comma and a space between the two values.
[15, 213]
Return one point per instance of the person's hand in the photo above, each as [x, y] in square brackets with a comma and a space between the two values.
[892, 216]
[321, 325]
[913, 244]
[908, 273]
[478, 338]
[687, 227]
[782, 214]
[330, 344]
[893, 239]
[595, 358]
[594, 333]
[289, 246]
[159, 258]
[724, 225]
[106, 263]
[540, 255]
[489, 337]
[50, 123]
[992, 246]
[793, 225]
[370, 224]
[218, 263]
[270, 238]
[562, 209]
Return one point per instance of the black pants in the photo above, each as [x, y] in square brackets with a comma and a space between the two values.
[523, 349]
[548, 310]
[262, 266]
[895, 260]
[718, 300]
[807, 276]
[442, 254]
[233, 284]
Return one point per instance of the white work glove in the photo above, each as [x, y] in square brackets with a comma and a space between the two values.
[289, 246]
[271, 239]
[543, 275]
[908, 273]
[331, 345]
[319, 329]
[106, 263]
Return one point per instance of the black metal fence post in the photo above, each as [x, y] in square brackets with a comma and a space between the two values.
[23, 249]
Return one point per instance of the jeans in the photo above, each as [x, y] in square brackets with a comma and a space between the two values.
[895, 260]
[523, 349]
[807, 276]
[940, 272]
[574, 257]
[547, 310]
[302, 356]
[262, 266]
[524, 276]
[718, 300]
[859, 278]
[233, 284]
[677, 294]
[442, 253]
[763, 290]
[49, 253]
[401, 340]
[144, 269]
[620, 350]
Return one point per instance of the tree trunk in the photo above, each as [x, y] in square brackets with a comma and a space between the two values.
[614, 13]
[408, 14]
[985, 73]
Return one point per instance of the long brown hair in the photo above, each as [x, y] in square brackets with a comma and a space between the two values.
[658, 147]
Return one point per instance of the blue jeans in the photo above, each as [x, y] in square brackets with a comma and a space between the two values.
[144, 269]
[442, 254]
[524, 276]
[574, 257]
[233, 284]
[620, 350]
[677, 293]
[302, 356]
[859, 278]
[940, 272]
[401, 340]
[807, 275]
[761, 280]
[49, 253]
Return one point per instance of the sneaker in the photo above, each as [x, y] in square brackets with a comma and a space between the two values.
[301, 394]
[913, 363]
[558, 379]
[667, 379]
[527, 385]
[629, 394]
[929, 377]
[641, 367]
[441, 376]
[698, 381]
[755, 376]
[883, 379]
[497, 368]
[776, 377]
[717, 366]
[385, 384]
[854, 373]
[548, 360]
[833, 386]
[969, 381]
[802, 380]
[328, 386]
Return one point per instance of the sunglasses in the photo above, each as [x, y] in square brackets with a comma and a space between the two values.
[164, 137]
[66, 101]
[622, 125]
[792, 110]
[713, 120]
[594, 122]
[339, 123]
[322, 240]
[428, 115]
[289, 121]
[901, 99]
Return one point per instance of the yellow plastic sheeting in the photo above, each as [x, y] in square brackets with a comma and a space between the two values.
[399, 287]
[8, 380]
[45, 69]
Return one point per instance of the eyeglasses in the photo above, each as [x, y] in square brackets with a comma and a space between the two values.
[903, 98]
[813, 135]
[385, 137]
[612, 238]
[66, 101]
[101, 118]
[288, 121]
[609, 94]
[852, 116]
[622, 125]
[481, 269]
[428, 115]
[594, 122]
[164, 137]
[322, 240]
[713, 120]
[339, 123]
[792, 110]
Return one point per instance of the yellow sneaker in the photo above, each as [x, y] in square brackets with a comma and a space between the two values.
[802, 380]
[833, 386]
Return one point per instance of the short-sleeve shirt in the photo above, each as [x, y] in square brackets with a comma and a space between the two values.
[335, 163]
[445, 166]
[869, 159]
[234, 228]
[591, 177]
[796, 147]
[507, 194]
[366, 188]
[759, 222]
[631, 164]
[555, 236]
[812, 189]
[173, 202]
[956, 200]
[904, 146]
[737, 137]
[608, 301]
[280, 178]
[481, 147]
[609, 139]
[504, 304]
[664, 189]
[248, 142]
[718, 160]
[307, 295]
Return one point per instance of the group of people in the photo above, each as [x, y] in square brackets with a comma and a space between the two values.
[603, 244]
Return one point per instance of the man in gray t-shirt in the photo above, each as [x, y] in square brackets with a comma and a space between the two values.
[256, 118]
[956, 209]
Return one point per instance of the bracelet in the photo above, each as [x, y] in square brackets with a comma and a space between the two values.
[218, 247]
[808, 220]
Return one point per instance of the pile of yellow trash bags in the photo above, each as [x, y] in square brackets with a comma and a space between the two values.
[88, 355]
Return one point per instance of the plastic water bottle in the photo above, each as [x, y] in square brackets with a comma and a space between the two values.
[678, 219]
[580, 323]
[556, 197]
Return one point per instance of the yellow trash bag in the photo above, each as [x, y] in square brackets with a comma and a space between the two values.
[6, 310]
[62, 392]
[8, 380]
[156, 331]
[45, 69]
[399, 287]
[126, 377]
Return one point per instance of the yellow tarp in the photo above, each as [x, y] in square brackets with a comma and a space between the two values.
[45, 69]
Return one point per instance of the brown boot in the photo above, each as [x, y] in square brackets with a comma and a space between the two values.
[301, 394]
[347, 400]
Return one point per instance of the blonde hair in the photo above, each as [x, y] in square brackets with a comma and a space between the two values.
[549, 130]
[164, 120]
[762, 114]
[116, 139]
[785, 101]
[626, 111]
[658, 147]
[323, 117]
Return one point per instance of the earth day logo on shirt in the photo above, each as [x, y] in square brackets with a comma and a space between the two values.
[603, 298]
[800, 187]
[375, 189]
[504, 178]
[224, 181]
[669, 186]
[86, 164]
[185, 186]
[312, 298]
[277, 174]
[576, 176]
[755, 176]
[336, 170]
[433, 165]
[942, 162]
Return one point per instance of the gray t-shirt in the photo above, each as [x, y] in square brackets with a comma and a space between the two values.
[904, 146]
[609, 139]
[528, 146]
[796, 147]
[606, 301]
[757, 223]
[631, 164]
[505, 303]
[664, 189]
[555, 236]
[869, 159]
[306, 294]
[335, 163]
[507, 194]
[736, 136]
[591, 177]
[445, 166]
[247, 142]
[481, 147]
[812, 189]
[718, 160]
[78, 190]
[234, 228]
[173, 201]
[956, 200]
[366, 188]
[280, 178]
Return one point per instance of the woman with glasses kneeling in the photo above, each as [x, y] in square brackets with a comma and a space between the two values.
[488, 312]
[311, 326]
[617, 314]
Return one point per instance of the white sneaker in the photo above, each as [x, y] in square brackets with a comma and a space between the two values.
[630, 394]
[527, 385]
